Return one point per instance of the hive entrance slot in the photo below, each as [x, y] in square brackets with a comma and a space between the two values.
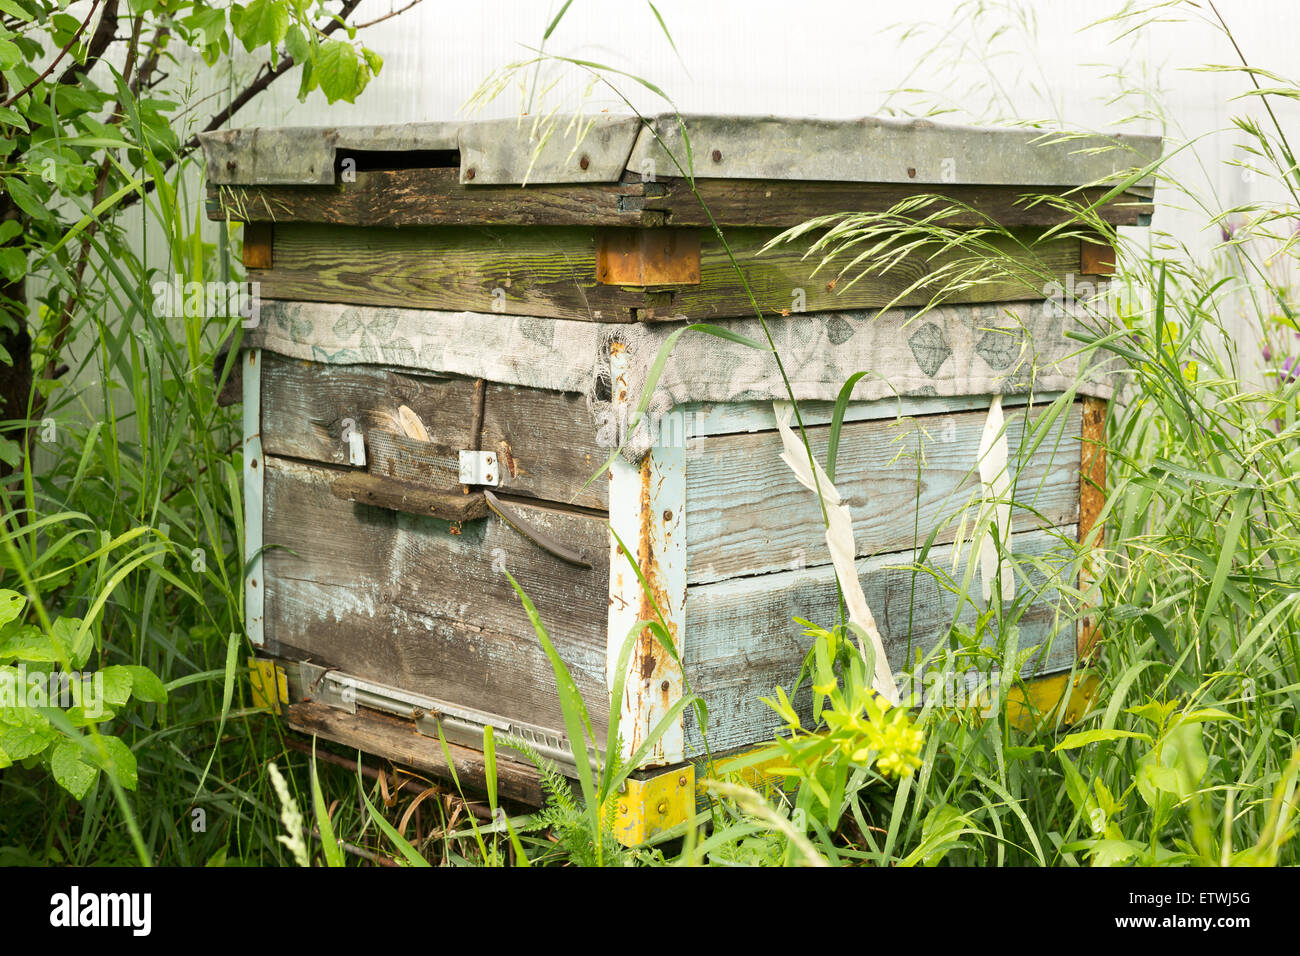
[377, 160]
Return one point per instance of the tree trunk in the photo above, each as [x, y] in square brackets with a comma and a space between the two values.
[15, 379]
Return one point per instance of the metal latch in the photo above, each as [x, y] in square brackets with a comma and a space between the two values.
[456, 723]
[479, 468]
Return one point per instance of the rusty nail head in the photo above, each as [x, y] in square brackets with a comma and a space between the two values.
[668, 515]
[717, 155]
[911, 173]
[469, 173]
[664, 686]
[584, 162]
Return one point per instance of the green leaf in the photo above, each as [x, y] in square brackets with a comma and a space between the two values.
[490, 766]
[1231, 538]
[329, 845]
[403, 845]
[262, 23]
[70, 771]
[10, 55]
[31, 735]
[577, 723]
[145, 685]
[13, 266]
[339, 71]
[211, 22]
[837, 421]
[15, 10]
[11, 605]
[26, 198]
[1176, 767]
[115, 758]
[117, 682]
[1021, 753]
[555, 21]
[1153, 711]
[83, 716]
[1113, 852]
[28, 643]
[68, 635]
[227, 695]
[297, 44]
[943, 827]
[1074, 741]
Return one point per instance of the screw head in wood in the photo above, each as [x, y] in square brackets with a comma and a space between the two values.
[584, 162]
[717, 155]
[469, 173]
[663, 807]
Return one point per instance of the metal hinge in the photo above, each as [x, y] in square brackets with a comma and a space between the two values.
[480, 468]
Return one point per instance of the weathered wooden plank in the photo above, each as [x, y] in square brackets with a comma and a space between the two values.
[543, 271]
[395, 495]
[765, 202]
[307, 405]
[701, 419]
[742, 639]
[432, 197]
[546, 440]
[547, 443]
[416, 603]
[552, 272]
[747, 514]
[397, 740]
[879, 150]
[782, 278]
[435, 197]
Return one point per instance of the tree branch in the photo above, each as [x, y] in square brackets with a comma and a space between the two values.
[100, 41]
[55, 62]
[83, 252]
[264, 77]
[390, 14]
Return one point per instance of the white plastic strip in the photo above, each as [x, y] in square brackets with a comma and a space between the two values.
[840, 541]
[996, 508]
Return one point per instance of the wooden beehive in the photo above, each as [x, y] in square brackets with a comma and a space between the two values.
[376, 590]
